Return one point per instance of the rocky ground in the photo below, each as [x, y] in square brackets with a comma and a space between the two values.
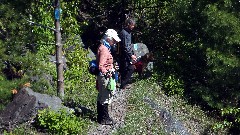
[117, 110]
[179, 121]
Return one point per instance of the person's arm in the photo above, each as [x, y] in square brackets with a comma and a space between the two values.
[126, 40]
[102, 61]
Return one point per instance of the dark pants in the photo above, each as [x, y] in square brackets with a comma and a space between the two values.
[126, 71]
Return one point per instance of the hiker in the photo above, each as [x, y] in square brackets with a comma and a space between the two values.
[105, 64]
[126, 54]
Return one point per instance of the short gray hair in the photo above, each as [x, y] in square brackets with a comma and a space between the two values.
[130, 21]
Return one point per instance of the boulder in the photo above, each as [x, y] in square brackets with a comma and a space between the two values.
[25, 106]
[140, 49]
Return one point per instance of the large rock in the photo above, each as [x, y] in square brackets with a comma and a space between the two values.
[140, 49]
[25, 106]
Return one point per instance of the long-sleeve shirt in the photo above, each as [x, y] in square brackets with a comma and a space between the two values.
[104, 58]
[126, 41]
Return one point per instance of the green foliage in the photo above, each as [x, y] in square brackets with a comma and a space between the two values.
[42, 12]
[33, 45]
[228, 112]
[5, 90]
[79, 83]
[221, 90]
[197, 44]
[173, 85]
[222, 26]
[70, 24]
[13, 35]
[22, 129]
[61, 122]
[41, 71]
[221, 125]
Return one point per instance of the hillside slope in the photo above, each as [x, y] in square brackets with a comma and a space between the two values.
[145, 109]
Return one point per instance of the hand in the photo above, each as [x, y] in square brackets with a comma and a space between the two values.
[111, 70]
[116, 67]
[108, 74]
[134, 58]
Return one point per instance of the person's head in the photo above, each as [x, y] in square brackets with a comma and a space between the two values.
[111, 37]
[130, 23]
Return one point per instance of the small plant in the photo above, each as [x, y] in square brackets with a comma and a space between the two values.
[221, 125]
[61, 122]
[227, 112]
[22, 129]
[173, 85]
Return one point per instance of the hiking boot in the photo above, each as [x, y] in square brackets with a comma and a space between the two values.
[103, 116]
[99, 112]
[107, 121]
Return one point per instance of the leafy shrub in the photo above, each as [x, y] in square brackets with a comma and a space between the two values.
[61, 122]
[41, 71]
[172, 85]
[22, 129]
[79, 83]
[221, 125]
[227, 113]
[5, 89]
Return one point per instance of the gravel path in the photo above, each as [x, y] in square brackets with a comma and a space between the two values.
[117, 111]
[172, 124]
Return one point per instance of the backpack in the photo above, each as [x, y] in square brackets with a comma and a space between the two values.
[93, 67]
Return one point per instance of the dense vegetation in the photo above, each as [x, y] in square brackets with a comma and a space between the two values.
[196, 44]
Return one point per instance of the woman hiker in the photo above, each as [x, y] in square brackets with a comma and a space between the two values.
[104, 78]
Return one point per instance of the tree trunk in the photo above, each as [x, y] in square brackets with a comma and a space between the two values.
[59, 58]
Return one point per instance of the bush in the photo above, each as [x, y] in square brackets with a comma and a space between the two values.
[79, 83]
[61, 122]
[41, 71]
[6, 88]
[172, 85]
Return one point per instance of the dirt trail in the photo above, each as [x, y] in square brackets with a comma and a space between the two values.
[117, 110]
[172, 125]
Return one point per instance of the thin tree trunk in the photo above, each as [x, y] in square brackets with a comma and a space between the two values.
[59, 58]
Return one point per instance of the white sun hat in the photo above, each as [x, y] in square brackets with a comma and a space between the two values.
[112, 33]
